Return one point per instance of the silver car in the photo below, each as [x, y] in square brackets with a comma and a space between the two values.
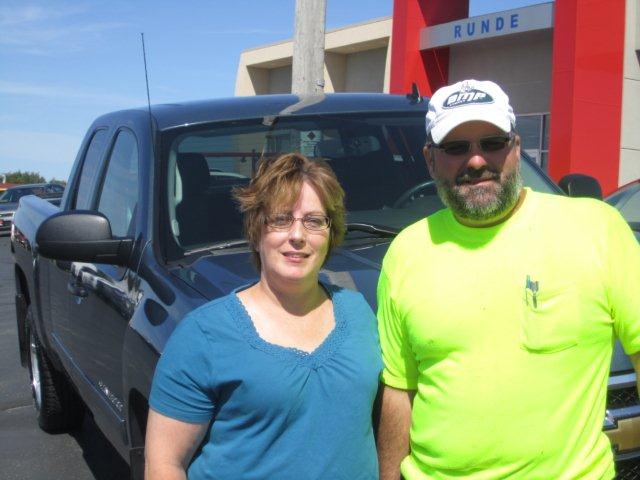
[9, 199]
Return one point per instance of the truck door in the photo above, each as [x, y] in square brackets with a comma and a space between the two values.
[79, 197]
[103, 296]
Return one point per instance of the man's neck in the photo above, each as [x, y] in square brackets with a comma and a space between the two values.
[490, 222]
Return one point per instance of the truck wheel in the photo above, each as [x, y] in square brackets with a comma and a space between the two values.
[57, 405]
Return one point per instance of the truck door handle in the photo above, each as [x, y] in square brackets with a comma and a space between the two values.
[77, 290]
[76, 286]
[63, 265]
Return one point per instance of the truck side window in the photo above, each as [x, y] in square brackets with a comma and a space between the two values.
[119, 196]
[89, 169]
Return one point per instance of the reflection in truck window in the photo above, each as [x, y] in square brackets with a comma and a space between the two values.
[89, 170]
[119, 195]
[375, 157]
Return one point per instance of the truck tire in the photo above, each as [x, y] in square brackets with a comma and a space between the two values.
[57, 404]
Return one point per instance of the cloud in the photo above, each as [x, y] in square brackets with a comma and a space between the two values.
[11, 16]
[31, 37]
[36, 30]
[19, 14]
[85, 96]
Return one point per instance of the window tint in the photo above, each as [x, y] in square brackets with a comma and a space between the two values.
[616, 197]
[37, 191]
[377, 159]
[534, 132]
[631, 209]
[89, 169]
[119, 195]
[532, 178]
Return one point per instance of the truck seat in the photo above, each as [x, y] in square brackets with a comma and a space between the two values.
[192, 213]
[205, 214]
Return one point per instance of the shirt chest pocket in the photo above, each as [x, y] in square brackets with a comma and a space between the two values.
[550, 319]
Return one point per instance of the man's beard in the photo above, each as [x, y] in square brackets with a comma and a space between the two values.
[480, 202]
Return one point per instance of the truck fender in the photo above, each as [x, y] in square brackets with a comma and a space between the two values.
[139, 363]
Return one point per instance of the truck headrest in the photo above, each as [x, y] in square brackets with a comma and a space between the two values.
[194, 171]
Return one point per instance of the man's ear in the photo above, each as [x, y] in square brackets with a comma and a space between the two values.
[429, 159]
[518, 144]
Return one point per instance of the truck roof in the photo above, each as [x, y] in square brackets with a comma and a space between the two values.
[173, 115]
[31, 185]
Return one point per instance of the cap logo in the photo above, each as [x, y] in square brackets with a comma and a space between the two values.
[467, 97]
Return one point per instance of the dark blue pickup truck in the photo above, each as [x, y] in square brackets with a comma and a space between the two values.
[147, 231]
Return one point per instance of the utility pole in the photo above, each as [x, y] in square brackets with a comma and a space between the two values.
[307, 76]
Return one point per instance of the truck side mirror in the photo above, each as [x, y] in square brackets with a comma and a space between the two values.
[580, 185]
[82, 236]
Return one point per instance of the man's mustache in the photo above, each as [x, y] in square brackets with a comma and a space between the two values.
[470, 175]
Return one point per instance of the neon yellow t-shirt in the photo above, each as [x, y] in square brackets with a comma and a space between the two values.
[506, 332]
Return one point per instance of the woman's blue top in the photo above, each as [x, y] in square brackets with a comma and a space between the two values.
[275, 412]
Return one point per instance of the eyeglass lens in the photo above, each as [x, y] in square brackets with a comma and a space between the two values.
[487, 145]
[310, 222]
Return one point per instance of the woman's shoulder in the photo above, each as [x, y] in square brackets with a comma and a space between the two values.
[211, 316]
[341, 293]
[205, 334]
[347, 297]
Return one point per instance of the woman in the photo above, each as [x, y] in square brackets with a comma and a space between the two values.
[277, 379]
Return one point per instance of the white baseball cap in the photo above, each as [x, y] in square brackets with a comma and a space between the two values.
[466, 101]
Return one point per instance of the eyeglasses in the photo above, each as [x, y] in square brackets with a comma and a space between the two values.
[284, 221]
[491, 144]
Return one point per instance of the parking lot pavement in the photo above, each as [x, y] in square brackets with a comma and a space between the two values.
[26, 452]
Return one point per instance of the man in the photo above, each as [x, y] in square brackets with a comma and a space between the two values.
[497, 314]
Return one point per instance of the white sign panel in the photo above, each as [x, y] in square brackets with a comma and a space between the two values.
[535, 17]
[308, 141]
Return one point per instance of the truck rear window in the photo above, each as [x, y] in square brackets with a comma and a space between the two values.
[377, 159]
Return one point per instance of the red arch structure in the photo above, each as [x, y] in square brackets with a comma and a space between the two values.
[587, 76]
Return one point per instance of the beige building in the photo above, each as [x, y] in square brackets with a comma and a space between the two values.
[514, 48]
[357, 59]
[629, 168]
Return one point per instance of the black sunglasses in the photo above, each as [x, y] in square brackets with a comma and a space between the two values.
[491, 144]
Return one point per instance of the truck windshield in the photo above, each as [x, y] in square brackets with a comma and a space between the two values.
[13, 195]
[44, 191]
[377, 159]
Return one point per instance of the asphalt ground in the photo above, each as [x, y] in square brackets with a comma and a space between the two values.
[26, 452]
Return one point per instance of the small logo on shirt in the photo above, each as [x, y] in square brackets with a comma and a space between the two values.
[531, 289]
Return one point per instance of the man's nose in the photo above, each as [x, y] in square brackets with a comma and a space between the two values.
[477, 159]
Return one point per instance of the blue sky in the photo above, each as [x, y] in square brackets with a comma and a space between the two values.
[63, 63]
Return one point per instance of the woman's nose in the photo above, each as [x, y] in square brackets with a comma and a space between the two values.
[297, 232]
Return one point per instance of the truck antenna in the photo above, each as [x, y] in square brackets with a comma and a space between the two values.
[146, 77]
[414, 96]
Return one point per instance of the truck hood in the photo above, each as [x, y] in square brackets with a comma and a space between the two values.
[356, 268]
[8, 207]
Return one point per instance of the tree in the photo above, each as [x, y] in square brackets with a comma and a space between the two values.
[58, 182]
[24, 177]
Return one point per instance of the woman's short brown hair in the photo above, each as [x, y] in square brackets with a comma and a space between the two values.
[277, 185]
